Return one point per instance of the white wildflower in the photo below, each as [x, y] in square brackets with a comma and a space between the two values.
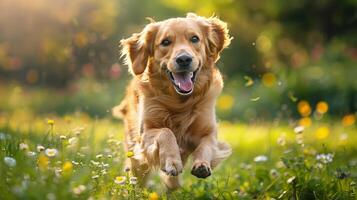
[73, 140]
[120, 180]
[51, 152]
[299, 129]
[325, 158]
[74, 162]
[291, 179]
[9, 161]
[133, 180]
[79, 189]
[260, 158]
[95, 163]
[40, 148]
[319, 166]
[58, 172]
[31, 154]
[23, 146]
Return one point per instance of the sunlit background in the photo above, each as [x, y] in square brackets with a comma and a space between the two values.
[63, 56]
[288, 107]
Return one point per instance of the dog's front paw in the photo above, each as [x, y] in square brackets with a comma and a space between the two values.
[172, 167]
[201, 170]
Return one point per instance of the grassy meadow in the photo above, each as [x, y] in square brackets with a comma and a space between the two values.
[288, 107]
[75, 156]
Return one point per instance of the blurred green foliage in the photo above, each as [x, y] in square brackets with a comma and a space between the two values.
[289, 50]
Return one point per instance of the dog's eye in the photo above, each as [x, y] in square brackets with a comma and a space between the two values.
[165, 42]
[195, 39]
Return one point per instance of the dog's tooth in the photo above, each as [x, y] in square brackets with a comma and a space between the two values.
[177, 83]
[191, 74]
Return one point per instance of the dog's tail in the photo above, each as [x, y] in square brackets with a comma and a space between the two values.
[120, 110]
[222, 151]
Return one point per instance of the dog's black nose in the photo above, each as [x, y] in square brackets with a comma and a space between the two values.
[183, 60]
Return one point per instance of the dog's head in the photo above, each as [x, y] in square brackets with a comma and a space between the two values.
[179, 48]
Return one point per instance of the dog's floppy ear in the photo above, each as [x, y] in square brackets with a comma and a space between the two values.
[138, 48]
[216, 32]
[218, 37]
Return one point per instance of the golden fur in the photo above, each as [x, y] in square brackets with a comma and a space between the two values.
[162, 127]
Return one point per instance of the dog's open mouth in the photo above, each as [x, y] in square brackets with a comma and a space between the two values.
[183, 81]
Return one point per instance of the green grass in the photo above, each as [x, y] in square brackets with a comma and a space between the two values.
[90, 158]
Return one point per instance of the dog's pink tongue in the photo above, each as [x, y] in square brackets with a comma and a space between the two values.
[183, 80]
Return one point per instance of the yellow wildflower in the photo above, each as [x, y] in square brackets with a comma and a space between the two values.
[67, 168]
[153, 196]
[51, 122]
[246, 185]
[120, 180]
[43, 162]
[129, 154]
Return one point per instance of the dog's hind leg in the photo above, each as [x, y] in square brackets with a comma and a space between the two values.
[139, 170]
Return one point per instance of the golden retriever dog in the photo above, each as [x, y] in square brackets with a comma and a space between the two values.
[169, 107]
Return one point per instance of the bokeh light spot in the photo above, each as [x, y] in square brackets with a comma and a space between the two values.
[304, 108]
[348, 120]
[269, 79]
[225, 102]
[322, 107]
[263, 44]
[322, 132]
[305, 121]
